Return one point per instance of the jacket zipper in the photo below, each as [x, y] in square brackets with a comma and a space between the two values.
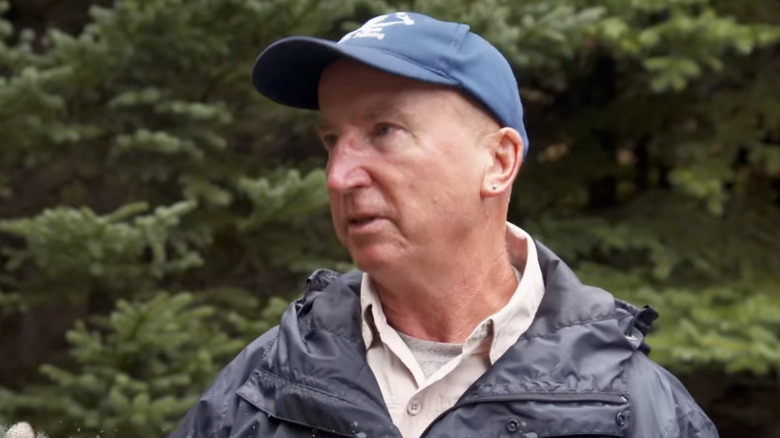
[538, 397]
[315, 430]
[547, 397]
[533, 397]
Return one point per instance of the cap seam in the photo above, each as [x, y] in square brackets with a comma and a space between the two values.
[455, 42]
[412, 61]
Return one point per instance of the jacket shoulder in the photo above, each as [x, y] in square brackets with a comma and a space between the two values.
[661, 406]
[212, 414]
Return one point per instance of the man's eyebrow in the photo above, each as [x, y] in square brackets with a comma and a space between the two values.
[384, 109]
[377, 111]
[324, 125]
[392, 110]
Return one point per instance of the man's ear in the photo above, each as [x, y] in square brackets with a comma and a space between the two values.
[506, 156]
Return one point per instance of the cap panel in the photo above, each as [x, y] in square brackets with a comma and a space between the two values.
[417, 38]
[288, 71]
[405, 44]
[447, 58]
[487, 75]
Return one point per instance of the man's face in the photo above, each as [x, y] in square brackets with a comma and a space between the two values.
[405, 165]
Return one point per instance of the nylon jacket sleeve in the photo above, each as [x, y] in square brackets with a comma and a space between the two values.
[661, 406]
[213, 414]
[203, 420]
[694, 424]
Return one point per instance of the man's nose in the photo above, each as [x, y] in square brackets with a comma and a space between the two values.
[346, 170]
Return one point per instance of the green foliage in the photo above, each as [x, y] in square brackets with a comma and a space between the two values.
[655, 133]
[730, 326]
[137, 371]
[149, 105]
[79, 247]
[135, 157]
[734, 328]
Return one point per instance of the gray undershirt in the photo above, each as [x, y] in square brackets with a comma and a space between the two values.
[431, 355]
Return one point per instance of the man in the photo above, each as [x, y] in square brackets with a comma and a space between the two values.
[459, 324]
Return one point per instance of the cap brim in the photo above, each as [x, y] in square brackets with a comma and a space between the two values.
[288, 71]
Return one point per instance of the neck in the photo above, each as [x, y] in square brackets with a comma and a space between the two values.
[443, 300]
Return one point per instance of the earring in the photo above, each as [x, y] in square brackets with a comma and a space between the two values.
[495, 186]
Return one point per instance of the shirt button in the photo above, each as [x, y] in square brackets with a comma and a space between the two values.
[414, 407]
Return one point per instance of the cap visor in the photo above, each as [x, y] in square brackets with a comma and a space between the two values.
[289, 71]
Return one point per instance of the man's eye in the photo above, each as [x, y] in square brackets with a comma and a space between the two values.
[383, 129]
[329, 141]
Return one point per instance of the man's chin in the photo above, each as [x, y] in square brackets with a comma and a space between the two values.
[373, 260]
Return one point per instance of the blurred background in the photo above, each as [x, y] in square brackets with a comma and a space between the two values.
[156, 214]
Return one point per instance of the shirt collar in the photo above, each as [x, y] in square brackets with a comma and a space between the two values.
[516, 316]
[504, 327]
[373, 316]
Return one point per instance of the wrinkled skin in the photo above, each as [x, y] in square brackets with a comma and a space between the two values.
[406, 164]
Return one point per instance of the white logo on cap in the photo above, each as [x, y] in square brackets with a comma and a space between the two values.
[373, 28]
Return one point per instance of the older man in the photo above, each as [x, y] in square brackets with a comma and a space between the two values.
[459, 324]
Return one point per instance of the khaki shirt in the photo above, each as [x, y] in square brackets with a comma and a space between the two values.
[413, 400]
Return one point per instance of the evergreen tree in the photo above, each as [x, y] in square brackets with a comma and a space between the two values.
[136, 158]
[139, 369]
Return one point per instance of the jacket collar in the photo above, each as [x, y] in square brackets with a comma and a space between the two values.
[317, 365]
[574, 323]
[316, 373]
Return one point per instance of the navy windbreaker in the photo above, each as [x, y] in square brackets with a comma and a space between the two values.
[579, 370]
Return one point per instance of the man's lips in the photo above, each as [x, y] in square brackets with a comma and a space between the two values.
[362, 220]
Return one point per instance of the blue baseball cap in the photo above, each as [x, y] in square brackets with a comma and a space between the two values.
[403, 43]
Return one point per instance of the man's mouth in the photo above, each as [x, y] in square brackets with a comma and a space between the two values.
[362, 220]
